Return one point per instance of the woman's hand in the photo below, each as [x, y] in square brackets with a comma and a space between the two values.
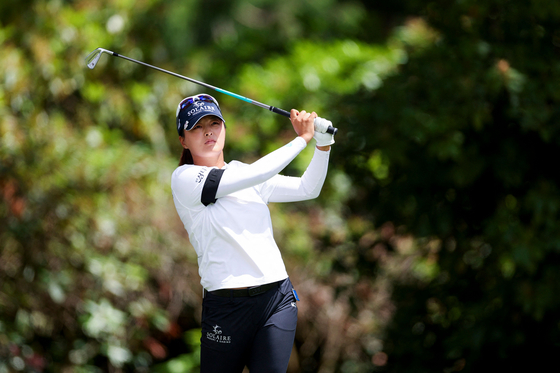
[303, 123]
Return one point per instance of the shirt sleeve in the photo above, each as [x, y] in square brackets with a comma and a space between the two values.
[261, 170]
[187, 183]
[291, 189]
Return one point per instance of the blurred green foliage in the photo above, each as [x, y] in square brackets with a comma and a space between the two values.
[434, 245]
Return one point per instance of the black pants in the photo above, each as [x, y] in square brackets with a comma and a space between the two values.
[253, 331]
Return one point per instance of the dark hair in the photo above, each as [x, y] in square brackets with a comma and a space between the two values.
[186, 157]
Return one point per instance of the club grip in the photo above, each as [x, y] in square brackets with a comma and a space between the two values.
[280, 111]
[321, 125]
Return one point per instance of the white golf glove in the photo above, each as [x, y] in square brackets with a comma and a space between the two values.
[323, 139]
[321, 136]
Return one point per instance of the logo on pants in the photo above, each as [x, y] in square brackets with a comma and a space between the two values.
[216, 335]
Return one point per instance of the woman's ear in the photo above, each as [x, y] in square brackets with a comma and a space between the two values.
[182, 140]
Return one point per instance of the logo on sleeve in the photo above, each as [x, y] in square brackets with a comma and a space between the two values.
[200, 175]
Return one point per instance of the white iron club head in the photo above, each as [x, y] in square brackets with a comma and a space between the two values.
[93, 57]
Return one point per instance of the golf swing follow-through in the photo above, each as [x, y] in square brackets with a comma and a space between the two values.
[249, 306]
[321, 125]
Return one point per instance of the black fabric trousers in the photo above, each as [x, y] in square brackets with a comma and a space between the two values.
[253, 331]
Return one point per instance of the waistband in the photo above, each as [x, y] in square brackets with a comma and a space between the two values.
[249, 292]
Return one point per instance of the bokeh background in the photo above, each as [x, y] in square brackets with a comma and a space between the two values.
[434, 246]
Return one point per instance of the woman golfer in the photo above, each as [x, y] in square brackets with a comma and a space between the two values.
[249, 312]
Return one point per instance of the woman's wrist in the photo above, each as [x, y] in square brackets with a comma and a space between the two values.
[307, 137]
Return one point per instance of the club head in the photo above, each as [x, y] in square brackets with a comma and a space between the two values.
[93, 57]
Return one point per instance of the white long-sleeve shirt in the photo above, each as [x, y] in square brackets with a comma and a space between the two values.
[233, 236]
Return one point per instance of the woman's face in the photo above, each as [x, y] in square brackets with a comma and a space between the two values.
[205, 140]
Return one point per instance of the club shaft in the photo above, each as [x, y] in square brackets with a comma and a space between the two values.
[167, 71]
[202, 84]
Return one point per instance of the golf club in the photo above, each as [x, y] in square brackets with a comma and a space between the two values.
[321, 125]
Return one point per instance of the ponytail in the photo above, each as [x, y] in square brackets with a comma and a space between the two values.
[186, 157]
